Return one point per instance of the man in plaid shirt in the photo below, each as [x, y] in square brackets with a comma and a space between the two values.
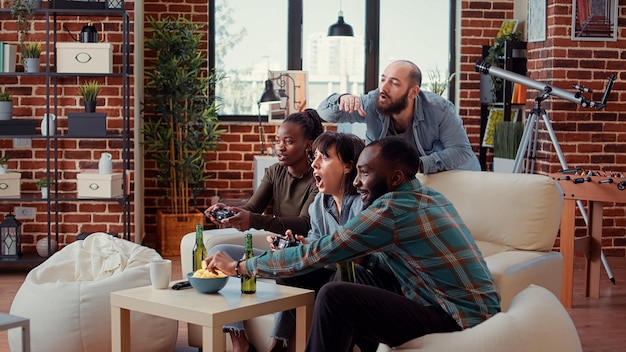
[406, 229]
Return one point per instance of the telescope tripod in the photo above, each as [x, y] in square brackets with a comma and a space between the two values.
[528, 150]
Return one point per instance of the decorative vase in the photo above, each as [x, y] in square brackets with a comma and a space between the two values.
[6, 110]
[31, 65]
[42, 247]
[3, 169]
[48, 125]
[105, 165]
[90, 106]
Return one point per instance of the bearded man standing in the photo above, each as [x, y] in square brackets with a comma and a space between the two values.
[398, 107]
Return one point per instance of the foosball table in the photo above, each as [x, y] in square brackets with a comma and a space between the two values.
[597, 188]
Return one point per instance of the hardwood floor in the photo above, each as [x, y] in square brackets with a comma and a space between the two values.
[601, 323]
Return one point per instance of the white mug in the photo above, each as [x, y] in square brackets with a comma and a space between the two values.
[160, 273]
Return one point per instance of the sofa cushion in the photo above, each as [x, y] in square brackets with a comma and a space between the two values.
[536, 321]
[525, 208]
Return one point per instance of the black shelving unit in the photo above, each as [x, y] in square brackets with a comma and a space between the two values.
[514, 60]
[53, 84]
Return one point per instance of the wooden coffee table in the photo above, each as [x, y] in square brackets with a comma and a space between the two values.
[211, 311]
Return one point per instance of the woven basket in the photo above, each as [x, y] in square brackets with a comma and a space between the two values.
[171, 228]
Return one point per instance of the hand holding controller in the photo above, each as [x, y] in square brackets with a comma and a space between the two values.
[221, 214]
[284, 242]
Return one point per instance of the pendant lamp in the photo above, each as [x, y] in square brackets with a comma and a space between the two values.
[341, 28]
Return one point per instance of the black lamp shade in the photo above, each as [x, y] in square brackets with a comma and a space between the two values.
[340, 29]
[269, 95]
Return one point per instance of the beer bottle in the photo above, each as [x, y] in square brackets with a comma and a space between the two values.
[199, 251]
[248, 283]
[346, 271]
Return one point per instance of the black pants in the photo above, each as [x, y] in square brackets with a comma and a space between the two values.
[315, 280]
[345, 312]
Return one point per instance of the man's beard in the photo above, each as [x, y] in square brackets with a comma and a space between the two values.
[377, 190]
[394, 106]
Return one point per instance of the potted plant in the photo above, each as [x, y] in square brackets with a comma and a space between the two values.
[507, 136]
[44, 186]
[4, 164]
[180, 124]
[495, 53]
[437, 82]
[31, 53]
[89, 91]
[23, 12]
[6, 105]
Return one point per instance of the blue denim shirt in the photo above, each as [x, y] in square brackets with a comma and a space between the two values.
[438, 131]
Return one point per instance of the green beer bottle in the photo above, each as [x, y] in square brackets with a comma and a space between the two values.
[248, 283]
[346, 271]
[199, 251]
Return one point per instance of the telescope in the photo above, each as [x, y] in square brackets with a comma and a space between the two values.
[577, 97]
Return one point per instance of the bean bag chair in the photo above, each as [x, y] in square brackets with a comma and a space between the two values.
[67, 298]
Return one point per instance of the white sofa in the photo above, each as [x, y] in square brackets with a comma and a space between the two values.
[535, 322]
[514, 219]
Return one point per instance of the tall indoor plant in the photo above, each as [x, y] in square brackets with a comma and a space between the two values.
[507, 136]
[180, 124]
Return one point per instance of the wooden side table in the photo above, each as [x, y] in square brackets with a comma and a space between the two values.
[8, 321]
[586, 188]
[211, 311]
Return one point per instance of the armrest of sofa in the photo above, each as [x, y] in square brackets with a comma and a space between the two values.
[219, 236]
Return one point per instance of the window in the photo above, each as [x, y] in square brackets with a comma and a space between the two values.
[251, 38]
[416, 30]
[335, 64]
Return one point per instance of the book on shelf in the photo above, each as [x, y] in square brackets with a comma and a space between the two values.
[1, 56]
[10, 57]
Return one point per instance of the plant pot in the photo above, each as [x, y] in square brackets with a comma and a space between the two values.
[3, 169]
[90, 106]
[44, 192]
[172, 227]
[31, 65]
[503, 165]
[36, 4]
[6, 110]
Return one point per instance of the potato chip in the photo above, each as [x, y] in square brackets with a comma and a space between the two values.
[207, 274]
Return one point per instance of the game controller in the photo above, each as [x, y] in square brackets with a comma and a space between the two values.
[284, 242]
[221, 214]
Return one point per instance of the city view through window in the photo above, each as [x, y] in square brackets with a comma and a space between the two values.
[251, 41]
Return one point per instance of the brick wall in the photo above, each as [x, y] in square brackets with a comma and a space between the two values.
[593, 140]
[590, 139]
[74, 155]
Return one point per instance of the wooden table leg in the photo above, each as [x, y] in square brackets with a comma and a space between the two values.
[213, 339]
[304, 317]
[592, 287]
[568, 217]
[120, 329]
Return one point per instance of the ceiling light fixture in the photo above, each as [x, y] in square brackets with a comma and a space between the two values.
[341, 28]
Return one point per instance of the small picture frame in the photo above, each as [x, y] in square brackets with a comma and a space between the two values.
[496, 114]
[594, 20]
[536, 20]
